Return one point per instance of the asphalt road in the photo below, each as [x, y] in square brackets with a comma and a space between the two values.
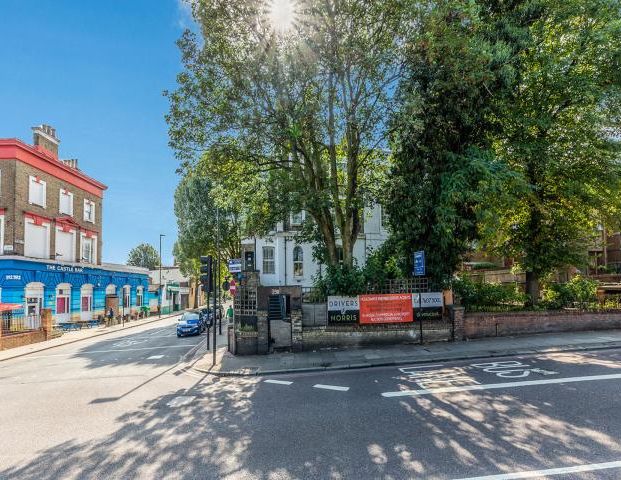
[128, 407]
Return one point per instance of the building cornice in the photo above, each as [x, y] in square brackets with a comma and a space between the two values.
[15, 149]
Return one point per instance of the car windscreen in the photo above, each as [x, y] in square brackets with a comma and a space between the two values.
[190, 318]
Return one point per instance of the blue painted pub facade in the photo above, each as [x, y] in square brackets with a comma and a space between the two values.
[73, 292]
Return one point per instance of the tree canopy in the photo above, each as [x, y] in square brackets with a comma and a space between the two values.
[144, 255]
[305, 109]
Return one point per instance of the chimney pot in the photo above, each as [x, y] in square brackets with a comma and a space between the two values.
[44, 138]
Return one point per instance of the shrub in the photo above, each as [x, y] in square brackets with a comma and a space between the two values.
[579, 292]
[481, 295]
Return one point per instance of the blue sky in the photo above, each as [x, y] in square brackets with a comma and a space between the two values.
[96, 72]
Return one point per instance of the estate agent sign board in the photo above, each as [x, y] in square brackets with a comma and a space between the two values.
[386, 308]
[343, 310]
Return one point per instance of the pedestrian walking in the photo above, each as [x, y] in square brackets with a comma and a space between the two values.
[110, 315]
[229, 314]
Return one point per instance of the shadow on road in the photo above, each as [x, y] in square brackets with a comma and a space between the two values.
[243, 428]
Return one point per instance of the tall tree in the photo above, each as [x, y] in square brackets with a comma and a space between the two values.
[556, 137]
[144, 255]
[463, 60]
[299, 95]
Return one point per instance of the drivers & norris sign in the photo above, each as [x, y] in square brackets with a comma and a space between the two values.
[342, 310]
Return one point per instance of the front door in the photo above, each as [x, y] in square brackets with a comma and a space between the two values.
[62, 308]
[86, 311]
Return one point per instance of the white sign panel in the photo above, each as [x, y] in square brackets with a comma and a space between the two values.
[431, 300]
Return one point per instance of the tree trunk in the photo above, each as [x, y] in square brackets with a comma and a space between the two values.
[532, 287]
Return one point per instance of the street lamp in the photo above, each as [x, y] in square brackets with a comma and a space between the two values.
[159, 297]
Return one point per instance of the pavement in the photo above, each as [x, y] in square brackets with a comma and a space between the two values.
[130, 405]
[79, 335]
[367, 357]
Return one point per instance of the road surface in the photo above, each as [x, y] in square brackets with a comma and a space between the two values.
[126, 406]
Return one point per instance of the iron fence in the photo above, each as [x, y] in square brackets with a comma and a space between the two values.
[19, 323]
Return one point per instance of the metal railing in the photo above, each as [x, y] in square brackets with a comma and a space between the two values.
[19, 323]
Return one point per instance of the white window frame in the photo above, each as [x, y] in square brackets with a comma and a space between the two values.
[294, 221]
[48, 227]
[299, 262]
[93, 242]
[34, 201]
[92, 204]
[269, 264]
[62, 192]
[73, 233]
[139, 296]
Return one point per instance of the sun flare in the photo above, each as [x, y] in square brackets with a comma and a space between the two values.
[282, 14]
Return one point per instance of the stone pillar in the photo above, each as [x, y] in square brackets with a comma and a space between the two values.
[263, 338]
[457, 316]
[46, 322]
[297, 343]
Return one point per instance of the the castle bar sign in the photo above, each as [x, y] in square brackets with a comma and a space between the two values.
[65, 268]
[343, 310]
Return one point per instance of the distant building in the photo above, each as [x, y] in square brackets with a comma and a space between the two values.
[51, 237]
[178, 291]
[281, 259]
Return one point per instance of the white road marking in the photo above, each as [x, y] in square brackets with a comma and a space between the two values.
[181, 401]
[155, 357]
[109, 351]
[491, 386]
[278, 382]
[331, 387]
[549, 472]
[421, 366]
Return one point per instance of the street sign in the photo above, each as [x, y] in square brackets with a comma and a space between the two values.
[233, 286]
[226, 285]
[235, 265]
[419, 263]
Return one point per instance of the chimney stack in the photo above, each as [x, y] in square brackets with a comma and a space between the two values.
[71, 162]
[45, 140]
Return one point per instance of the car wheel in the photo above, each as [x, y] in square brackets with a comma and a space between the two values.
[178, 336]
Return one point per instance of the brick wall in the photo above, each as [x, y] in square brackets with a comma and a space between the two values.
[21, 175]
[7, 199]
[324, 337]
[21, 339]
[479, 325]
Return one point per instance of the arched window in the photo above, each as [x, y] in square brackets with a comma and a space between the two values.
[298, 262]
[139, 296]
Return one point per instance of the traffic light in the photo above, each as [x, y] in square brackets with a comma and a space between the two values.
[207, 273]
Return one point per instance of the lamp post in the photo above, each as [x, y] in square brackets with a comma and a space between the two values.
[159, 297]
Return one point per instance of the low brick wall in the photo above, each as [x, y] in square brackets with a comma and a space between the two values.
[325, 337]
[479, 325]
[21, 339]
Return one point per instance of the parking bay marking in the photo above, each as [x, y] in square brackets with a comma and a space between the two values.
[457, 376]
[491, 386]
[331, 387]
[278, 382]
[549, 472]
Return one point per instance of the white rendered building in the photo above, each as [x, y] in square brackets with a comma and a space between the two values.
[282, 260]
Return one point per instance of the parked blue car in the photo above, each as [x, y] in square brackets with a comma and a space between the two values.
[189, 324]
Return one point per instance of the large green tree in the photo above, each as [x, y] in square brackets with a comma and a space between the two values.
[463, 60]
[300, 99]
[144, 255]
[556, 137]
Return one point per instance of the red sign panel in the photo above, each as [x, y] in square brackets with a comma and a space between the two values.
[388, 308]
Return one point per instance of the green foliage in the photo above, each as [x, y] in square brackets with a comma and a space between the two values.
[481, 296]
[381, 265]
[144, 255]
[555, 137]
[304, 110]
[579, 292]
[463, 59]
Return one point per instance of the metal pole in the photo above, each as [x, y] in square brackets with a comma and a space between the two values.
[215, 287]
[208, 326]
[160, 295]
